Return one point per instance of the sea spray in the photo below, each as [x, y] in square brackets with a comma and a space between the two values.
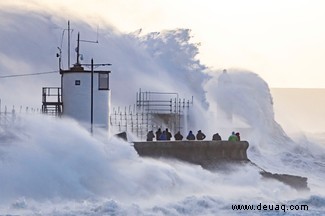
[40, 165]
[55, 167]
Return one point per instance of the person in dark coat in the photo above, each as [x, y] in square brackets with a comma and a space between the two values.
[200, 135]
[163, 136]
[216, 136]
[238, 136]
[178, 136]
[150, 136]
[168, 134]
[158, 134]
[190, 136]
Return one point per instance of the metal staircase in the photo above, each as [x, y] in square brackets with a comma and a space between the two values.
[52, 101]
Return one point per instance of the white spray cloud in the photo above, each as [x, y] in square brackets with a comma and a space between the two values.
[47, 159]
[58, 159]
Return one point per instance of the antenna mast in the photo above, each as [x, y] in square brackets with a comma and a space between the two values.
[78, 41]
[78, 46]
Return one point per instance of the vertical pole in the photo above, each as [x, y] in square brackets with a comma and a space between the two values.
[179, 114]
[136, 98]
[78, 48]
[140, 102]
[60, 58]
[92, 96]
[68, 45]
[137, 120]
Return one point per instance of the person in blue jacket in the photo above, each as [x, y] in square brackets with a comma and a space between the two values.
[190, 136]
[163, 136]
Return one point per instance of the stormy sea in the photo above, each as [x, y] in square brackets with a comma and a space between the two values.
[53, 166]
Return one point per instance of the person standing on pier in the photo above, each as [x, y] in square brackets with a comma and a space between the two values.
[233, 137]
[150, 136]
[178, 136]
[168, 134]
[158, 134]
[216, 136]
[163, 136]
[238, 136]
[190, 136]
[200, 135]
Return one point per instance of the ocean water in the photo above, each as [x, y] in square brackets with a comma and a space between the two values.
[52, 166]
[55, 167]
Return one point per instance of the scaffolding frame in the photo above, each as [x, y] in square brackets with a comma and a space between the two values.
[151, 111]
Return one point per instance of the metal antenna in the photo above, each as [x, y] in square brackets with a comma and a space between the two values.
[69, 36]
[90, 41]
[78, 48]
[59, 55]
[68, 44]
[87, 41]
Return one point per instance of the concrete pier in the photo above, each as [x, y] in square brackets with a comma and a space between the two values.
[208, 154]
[212, 155]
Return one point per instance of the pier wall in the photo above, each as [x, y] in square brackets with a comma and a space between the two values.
[208, 154]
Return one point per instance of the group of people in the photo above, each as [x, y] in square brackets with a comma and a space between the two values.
[166, 135]
[160, 135]
[234, 136]
[199, 136]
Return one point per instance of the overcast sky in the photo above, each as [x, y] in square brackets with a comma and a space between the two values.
[281, 40]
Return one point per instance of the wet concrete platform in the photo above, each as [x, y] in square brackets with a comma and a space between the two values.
[212, 155]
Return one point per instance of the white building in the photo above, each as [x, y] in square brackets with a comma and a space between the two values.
[84, 95]
[80, 102]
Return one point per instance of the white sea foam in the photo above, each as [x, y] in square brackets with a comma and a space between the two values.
[55, 167]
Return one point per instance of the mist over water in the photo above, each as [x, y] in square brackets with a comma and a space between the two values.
[55, 167]
[39, 168]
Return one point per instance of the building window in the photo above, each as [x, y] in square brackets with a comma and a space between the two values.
[103, 81]
[77, 82]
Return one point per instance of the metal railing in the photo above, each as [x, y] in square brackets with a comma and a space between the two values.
[10, 116]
